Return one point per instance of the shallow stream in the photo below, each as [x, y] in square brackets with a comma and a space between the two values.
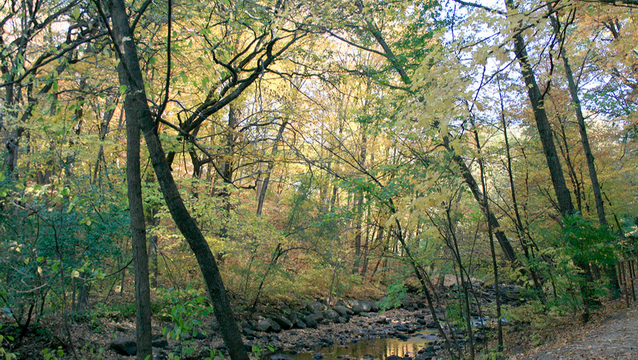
[377, 349]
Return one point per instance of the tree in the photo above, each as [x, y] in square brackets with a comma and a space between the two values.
[139, 111]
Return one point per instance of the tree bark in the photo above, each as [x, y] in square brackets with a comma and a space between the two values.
[563, 196]
[261, 195]
[573, 91]
[542, 123]
[138, 226]
[503, 241]
[139, 109]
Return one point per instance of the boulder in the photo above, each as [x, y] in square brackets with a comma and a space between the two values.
[318, 316]
[281, 357]
[274, 327]
[294, 316]
[316, 306]
[159, 341]
[283, 322]
[310, 321]
[343, 311]
[366, 305]
[248, 331]
[330, 315]
[299, 324]
[355, 306]
[374, 307]
[263, 325]
[124, 346]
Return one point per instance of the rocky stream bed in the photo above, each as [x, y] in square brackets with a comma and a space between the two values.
[350, 329]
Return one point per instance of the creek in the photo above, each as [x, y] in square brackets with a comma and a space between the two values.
[370, 349]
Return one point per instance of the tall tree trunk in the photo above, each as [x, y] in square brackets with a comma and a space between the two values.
[556, 172]
[573, 92]
[138, 226]
[131, 76]
[542, 123]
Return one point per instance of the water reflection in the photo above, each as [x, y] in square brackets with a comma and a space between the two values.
[377, 349]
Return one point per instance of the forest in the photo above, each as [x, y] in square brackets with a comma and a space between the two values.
[191, 177]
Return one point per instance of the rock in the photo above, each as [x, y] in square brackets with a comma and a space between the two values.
[426, 353]
[374, 307]
[294, 316]
[318, 316]
[317, 356]
[281, 357]
[330, 315]
[366, 305]
[274, 327]
[124, 346]
[299, 324]
[158, 354]
[430, 324]
[393, 357]
[343, 311]
[310, 321]
[283, 322]
[316, 306]
[327, 341]
[159, 341]
[263, 325]
[355, 306]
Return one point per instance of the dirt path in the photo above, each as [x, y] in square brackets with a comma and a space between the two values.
[615, 337]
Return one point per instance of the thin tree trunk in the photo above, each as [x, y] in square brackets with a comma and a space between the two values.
[261, 196]
[519, 222]
[138, 227]
[503, 241]
[571, 170]
[133, 79]
[497, 286]
[573, 91]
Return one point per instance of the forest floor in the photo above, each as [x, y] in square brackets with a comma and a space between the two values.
[611, 334]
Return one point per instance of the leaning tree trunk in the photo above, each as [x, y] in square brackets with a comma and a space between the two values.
[573, 91]
[481, 198]
[542, 123]
[131, 76]
[503, 241]
[565, 204]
